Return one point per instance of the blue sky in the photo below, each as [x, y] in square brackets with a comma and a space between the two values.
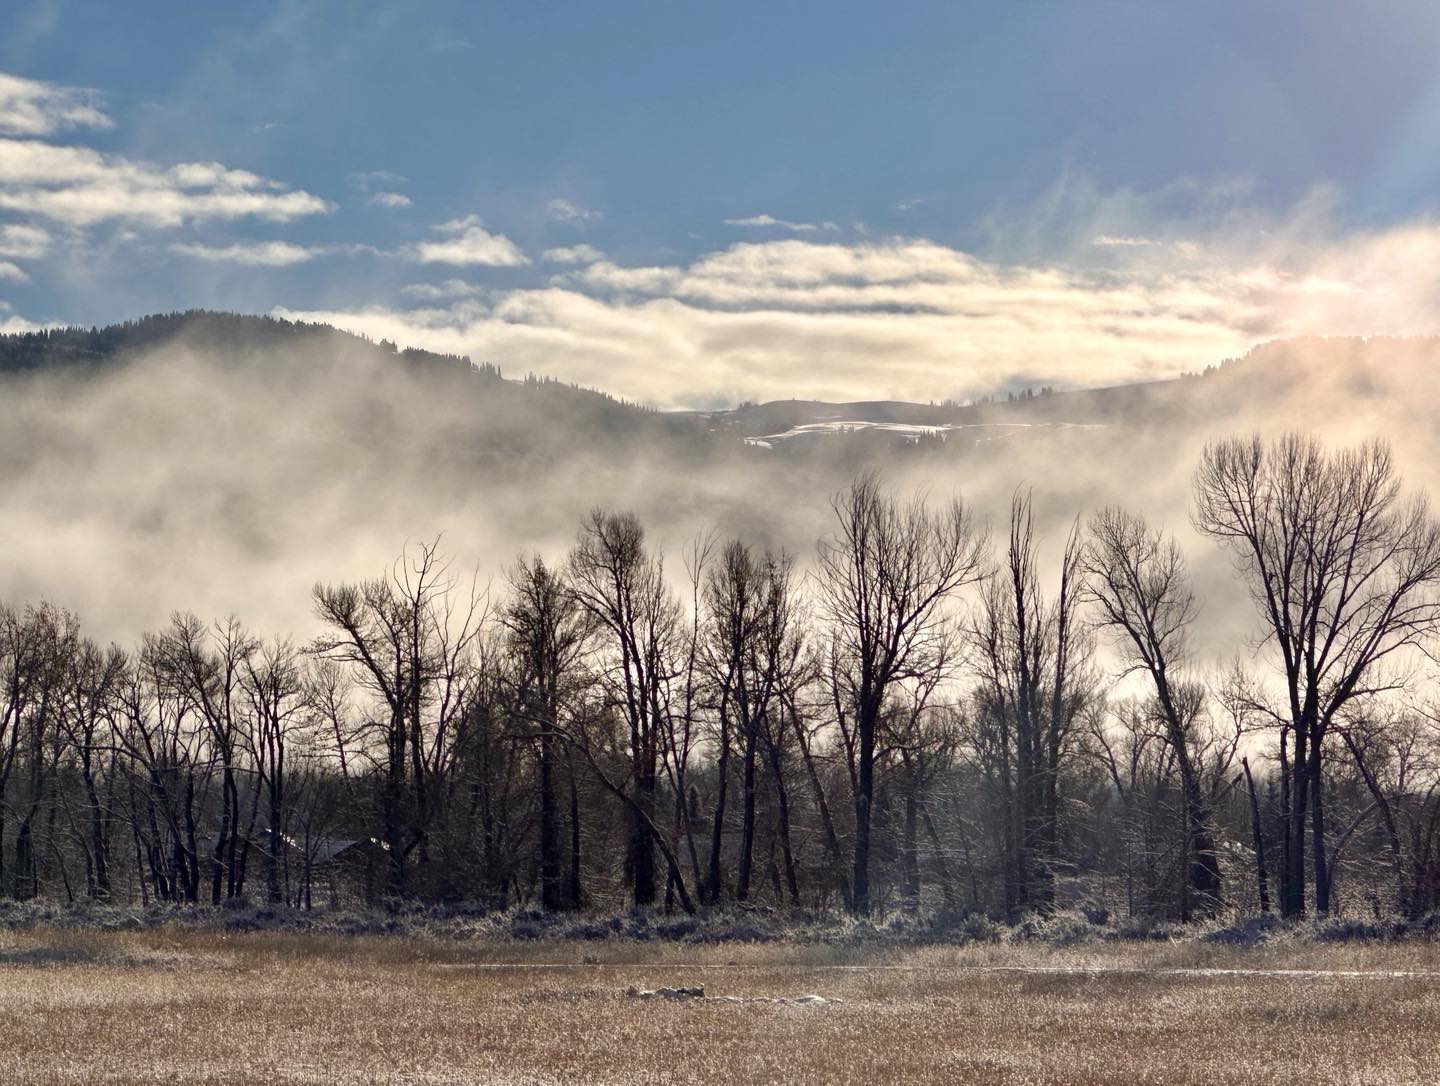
[694, 203]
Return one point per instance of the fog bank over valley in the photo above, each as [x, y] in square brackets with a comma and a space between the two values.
[225, 465]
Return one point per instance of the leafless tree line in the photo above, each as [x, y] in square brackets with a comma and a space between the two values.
[919, 716]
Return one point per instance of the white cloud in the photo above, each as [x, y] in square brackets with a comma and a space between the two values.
[571, 214]
[29, 107]
[605, 276]
[254, 254]
[389, 199]
[467, 242]
[782, 224]
[12, 273]
[573, 254]
[914, 319]
[910, 204]
[14, 326]
[23, 242]
[79, 186]
[450, 288]
[1113, 241]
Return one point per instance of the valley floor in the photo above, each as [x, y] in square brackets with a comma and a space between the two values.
[141, 1007]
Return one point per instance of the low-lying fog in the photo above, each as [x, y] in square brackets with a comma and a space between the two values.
[231, 480]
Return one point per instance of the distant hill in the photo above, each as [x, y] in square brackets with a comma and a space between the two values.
[61, 348]
[1286, 377]
[1275, 373]
[268, 344]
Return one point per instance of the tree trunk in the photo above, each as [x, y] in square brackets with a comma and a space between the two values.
[714, 876]
[1261, 882]
[1317, 823]
[827, 821]
[910, 849]
[942, 866]
[552, 895]
[864, 796]
[747, 833]
[574, 890]
[782, 801]
[1293, 898]
[24, 862]
[273, 853]
[1407, 895]
[642, 828]
[390, 799]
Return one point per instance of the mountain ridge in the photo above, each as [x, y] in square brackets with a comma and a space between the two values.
[1277, 368]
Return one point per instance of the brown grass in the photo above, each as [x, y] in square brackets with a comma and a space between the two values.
[147, 1007]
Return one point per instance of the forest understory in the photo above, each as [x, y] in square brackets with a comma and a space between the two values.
[729, 925]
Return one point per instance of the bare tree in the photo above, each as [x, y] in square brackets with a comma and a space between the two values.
[163, 744]
[1140, 585]
[547, 633]
[784, 650]
[407, 640]
[50, 638]
[207, 666]
[1031, 655]
[23, 651]
[621, 585]
[1344, 574]
[280, 715]
[885, 578]
[752, 652]
[94, 679]
[684, 699]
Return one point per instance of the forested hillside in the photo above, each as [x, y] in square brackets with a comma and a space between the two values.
[243, 336]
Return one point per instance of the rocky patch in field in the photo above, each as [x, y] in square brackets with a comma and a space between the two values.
[697, 991]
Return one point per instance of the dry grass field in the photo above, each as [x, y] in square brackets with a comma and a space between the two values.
[271, 1008]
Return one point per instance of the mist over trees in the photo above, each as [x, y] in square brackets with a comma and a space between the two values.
[923, 713]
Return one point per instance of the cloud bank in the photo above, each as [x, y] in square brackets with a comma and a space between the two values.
[912, 318]
[80, 186]
[29, 107]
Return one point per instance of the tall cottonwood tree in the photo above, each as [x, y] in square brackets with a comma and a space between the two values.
[163, 750]
[884, 581]
[55, 635]
[1140, 585]
[1344, 573]
[1031, 654]
[408, 641]
[547, 631]
[753, 652]
[25, 646]
[620, 584]
[94, 676]
[280, 719]
[207, 667]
